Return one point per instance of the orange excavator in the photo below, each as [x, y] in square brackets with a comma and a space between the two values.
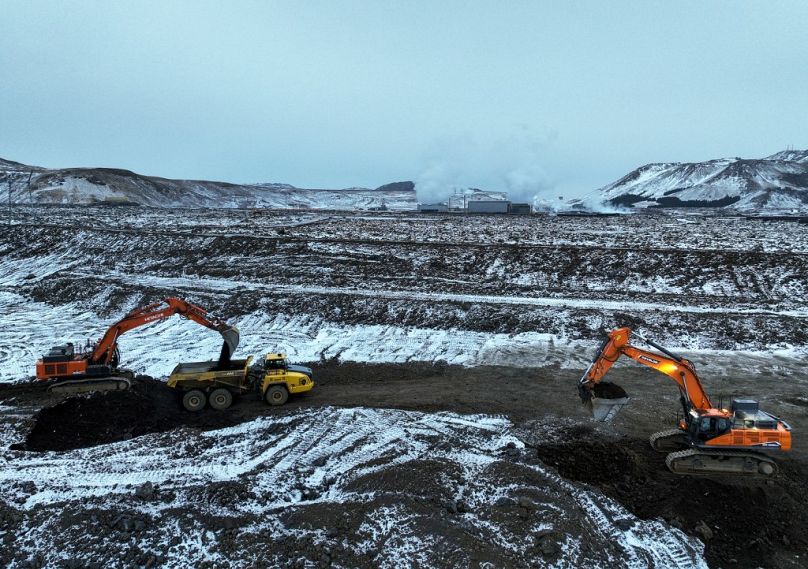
[707, 440]
[94, 366]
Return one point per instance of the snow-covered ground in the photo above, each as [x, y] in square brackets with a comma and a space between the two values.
[30, 328]
[359, 486]
[293, 472]
[530, 291]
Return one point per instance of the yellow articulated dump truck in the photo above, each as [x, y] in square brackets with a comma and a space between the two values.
[272, 378]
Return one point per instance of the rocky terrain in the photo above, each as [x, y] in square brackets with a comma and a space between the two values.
[460, 289]
[776, 183]
[82, 186]
[444, 429]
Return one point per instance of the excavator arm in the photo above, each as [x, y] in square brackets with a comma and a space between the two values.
[676, 367]
[105, 350]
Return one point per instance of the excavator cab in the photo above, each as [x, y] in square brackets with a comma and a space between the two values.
[709, 426]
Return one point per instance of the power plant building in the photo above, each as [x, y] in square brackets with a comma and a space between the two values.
[433, 207]
[487, 206]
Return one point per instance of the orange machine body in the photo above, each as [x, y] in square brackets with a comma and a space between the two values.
[743, 426]
[60, 369]
[102, 357]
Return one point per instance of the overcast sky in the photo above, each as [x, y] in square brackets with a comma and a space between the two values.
[550, 97]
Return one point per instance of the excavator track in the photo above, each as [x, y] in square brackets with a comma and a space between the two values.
[91, 384]
[669, 440]
[701, 462]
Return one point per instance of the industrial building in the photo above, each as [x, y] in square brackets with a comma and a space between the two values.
[460, 199]
[433, 207]
[478, 202]
[519, 208]
[487, 206]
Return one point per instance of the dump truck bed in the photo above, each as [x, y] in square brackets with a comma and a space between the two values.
[189, 375]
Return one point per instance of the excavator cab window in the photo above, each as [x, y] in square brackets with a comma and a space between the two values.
[707, 428]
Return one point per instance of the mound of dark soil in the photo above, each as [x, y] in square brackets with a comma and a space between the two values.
[111, 416]
[751, 522]
[608, 390]
[592, 461]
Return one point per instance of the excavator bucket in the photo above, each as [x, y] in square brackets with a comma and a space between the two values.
[604, 401]
[230, 335]
[605, 410]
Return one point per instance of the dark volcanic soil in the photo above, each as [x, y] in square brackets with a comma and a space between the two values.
[748, 524]
[106, 417]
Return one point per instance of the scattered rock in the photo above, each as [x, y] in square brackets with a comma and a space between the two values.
[505, 502]
[703, 531]
[549, 545]
[677, 522]
[624, 524]
[527, 503]
[145, 491]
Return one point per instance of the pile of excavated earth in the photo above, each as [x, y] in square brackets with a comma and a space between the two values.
[112, 416]
[742, 524]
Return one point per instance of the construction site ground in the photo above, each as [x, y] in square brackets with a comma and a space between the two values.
[488, 462]
[748, 524]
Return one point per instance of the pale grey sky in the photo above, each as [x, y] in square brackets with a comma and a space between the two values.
[557, 97]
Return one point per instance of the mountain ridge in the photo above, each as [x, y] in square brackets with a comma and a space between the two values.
[777, 182]
[87, 186]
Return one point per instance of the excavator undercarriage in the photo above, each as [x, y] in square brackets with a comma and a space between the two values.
[703, 462]
[669, 440]
[68, 387]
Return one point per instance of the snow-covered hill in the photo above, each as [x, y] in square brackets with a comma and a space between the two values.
[114, 186]
[776, 183]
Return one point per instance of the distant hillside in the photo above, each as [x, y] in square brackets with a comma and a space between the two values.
[84, 186]
[778, 182]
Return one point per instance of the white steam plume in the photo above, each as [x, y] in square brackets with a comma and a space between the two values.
[512, 164]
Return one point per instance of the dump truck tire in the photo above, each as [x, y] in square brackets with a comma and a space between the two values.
[277, 395]
[194, 400]
[220, 399]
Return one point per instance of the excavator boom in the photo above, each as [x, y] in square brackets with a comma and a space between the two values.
[97, 366]
[681, 370]
[104, 350]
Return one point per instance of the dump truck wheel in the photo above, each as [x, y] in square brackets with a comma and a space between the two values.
[220, 399]
[194, 400]
[277, 395]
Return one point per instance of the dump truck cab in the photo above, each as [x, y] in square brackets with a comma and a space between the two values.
[276, 378]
